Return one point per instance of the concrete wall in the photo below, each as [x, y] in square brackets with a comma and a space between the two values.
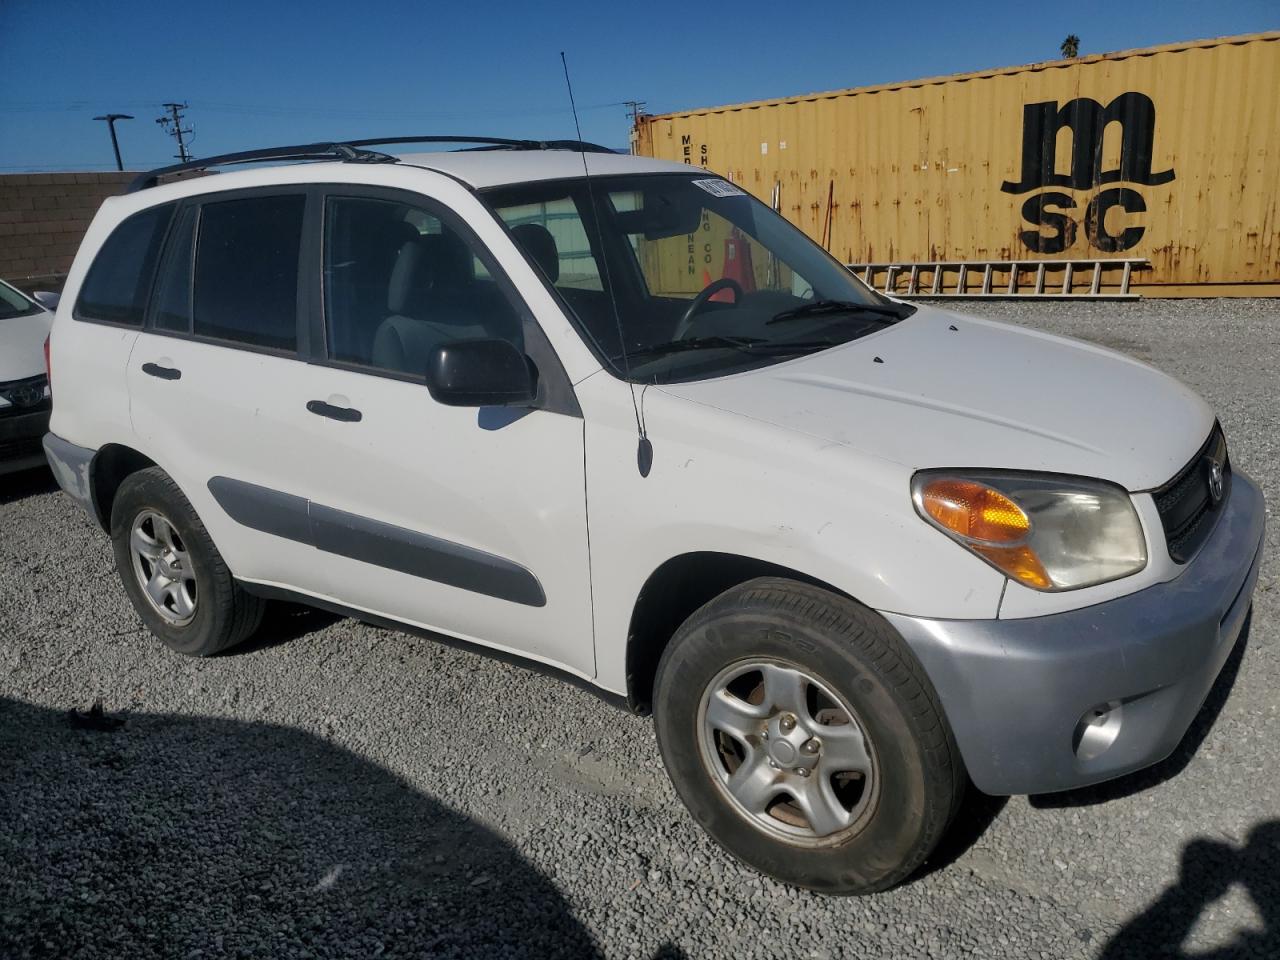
[43, 217]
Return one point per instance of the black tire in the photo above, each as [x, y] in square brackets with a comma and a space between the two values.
[224, 613]
[918, 780]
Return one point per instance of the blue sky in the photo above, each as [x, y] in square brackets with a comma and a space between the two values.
[270, 72]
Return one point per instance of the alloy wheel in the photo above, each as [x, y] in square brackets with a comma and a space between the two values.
[787, 752]
[163, 568]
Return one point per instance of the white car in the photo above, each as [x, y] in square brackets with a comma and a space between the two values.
[616, 418]
[24, 385]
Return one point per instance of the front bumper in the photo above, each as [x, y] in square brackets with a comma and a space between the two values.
[20, 435]
[1017, 691]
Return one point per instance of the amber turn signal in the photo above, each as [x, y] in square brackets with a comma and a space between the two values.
[974, 511]
[1020, 563]
[992, 525]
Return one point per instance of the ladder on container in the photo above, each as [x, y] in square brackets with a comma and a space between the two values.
[1080, 279]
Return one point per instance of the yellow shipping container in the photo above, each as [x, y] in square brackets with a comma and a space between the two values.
[1171, 154]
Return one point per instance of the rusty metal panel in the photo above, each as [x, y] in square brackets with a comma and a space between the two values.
[1168, 154]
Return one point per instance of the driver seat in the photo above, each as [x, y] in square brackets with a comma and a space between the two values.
[432, 299]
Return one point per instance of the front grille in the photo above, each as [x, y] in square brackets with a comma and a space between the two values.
[1187, 505]
[11, 411]
[20, 449]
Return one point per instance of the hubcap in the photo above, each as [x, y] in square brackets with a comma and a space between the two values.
[163, 568]
[787, 752]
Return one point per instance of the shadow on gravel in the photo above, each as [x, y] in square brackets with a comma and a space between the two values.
[28, 483]
[1177, 761]
[1209, 869]
[182, 837]
[977, 812]
[282, 622]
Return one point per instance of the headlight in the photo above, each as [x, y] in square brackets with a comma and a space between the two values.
[1048, 532]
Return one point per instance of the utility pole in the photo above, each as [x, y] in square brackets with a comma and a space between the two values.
[634, 109]
[111, 119]
[173, 126]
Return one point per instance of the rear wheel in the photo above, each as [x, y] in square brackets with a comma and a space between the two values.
[172, 572]
[802, 734]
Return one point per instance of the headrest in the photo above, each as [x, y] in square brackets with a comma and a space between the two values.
[451, 262]
[538, 242]
[410, 283]
[428, 264]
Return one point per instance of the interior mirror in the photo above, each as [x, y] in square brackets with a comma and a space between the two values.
[663, 214]
[481, 373]
[47, 299]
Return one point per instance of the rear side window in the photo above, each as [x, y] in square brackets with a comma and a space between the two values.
[116, 289]
[172, 299]
[246, 271]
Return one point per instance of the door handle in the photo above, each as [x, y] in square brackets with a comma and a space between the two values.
[345, 414]
[164, 373]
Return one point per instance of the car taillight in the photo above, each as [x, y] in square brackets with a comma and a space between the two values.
[48, 369]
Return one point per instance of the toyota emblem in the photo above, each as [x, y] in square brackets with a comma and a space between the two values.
[27, 395]
[1215, 480]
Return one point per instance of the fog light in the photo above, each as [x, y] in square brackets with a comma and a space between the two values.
[1097, 730]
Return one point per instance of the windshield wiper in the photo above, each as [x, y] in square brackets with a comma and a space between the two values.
[891, 313]
[689, 343]
[744, 344]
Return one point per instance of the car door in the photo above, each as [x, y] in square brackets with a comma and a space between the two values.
[469, 521]
[216, 380]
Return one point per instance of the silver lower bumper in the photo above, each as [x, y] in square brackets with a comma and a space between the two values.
[1020, 694]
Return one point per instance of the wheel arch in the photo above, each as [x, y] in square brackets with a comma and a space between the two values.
[672, 592]
[109, 468]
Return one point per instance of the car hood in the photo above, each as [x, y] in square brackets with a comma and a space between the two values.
[944, 390]
[22, 345]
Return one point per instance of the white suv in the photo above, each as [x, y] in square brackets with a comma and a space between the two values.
[634, 427]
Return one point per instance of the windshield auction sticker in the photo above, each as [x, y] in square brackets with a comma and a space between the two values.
[719, 188]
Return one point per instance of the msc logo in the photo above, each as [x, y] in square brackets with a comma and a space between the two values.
[1087, 120]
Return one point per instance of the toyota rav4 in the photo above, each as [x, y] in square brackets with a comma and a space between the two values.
[617, 418]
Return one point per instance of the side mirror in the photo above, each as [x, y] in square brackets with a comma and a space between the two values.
[47, 299]
[481, 373]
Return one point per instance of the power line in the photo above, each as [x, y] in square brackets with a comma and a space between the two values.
[279, 110]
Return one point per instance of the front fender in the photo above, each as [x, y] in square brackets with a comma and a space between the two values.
[727, 484]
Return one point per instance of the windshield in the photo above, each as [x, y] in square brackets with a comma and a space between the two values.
[14, 304]
[684, 276]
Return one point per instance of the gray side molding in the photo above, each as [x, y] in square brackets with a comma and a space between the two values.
[372, 541]
[260, 508]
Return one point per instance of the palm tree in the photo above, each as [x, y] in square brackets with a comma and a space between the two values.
[1070, 46]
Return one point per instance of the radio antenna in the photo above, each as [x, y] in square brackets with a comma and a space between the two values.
[644, 449]
[572, 106]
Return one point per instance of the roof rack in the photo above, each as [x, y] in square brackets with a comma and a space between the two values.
[352, 151]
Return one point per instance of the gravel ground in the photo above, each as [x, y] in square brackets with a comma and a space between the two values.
[333, 789]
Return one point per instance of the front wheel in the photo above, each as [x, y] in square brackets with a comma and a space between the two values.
[172, 572]
[802, 734]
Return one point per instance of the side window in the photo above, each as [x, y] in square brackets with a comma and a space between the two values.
[171, 303]
[246, 271]
[553, 234]
[398, 281]
[119, 280]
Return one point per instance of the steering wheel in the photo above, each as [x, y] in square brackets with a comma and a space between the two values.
[700, 301]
